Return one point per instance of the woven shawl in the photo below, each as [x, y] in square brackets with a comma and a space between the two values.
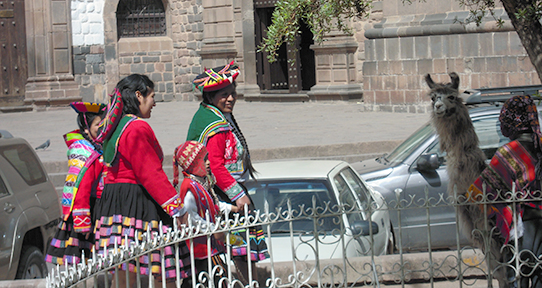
[207, 121]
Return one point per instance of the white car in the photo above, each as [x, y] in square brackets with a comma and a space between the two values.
[322, 209]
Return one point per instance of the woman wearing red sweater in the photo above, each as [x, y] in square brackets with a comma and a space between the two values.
[137, 194]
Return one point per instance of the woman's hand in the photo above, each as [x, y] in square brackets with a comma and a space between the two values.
[240, 203]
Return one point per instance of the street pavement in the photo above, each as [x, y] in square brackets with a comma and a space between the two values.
[281, 126]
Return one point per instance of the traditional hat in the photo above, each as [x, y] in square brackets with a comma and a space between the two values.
[216, 78]
[88, 107]
[190, 156]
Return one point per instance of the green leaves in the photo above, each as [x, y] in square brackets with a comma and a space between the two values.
[321, 16]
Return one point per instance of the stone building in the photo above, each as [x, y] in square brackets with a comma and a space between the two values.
[79, 49]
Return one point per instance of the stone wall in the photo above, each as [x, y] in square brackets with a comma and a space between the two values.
[89, 70]
[400, 50]
[152, 56]
[187, 36]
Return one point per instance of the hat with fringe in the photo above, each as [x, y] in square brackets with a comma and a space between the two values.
[216, 78]
[88, 107]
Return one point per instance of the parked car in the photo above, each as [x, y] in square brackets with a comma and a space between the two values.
[365, 225]
[31, 210]
[417, 165]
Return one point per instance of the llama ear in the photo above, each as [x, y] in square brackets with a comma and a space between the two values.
[455, 80]
[429, 81]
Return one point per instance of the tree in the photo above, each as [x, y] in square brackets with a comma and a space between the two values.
[322, 15]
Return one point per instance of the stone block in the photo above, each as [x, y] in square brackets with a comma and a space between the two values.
[339, 60]
[149, 68]
[382, 97]
[150, 59]
[495, 64]
[168, 76]
[510, 63]
[125, 69]
[501, 43]
[412, 96]
[393, 47]
[323, 76]
[156, 77]
[369, 68]
[137, 59]
[61, 61]
[407, 47]
[421, 47]
[524, 64]
[110, 53]
[137, 68]
[79, 67]
[169, 67]
[87, 94]
[161, 87]
[96, 68]
[340, 76]
[518, 78]
[439, 66]
[169, 87]
[486, 44]
[380, 50]
[425, 66]
[370, 50]
[435, 44]
[389, 82]
[470, 45]
[451, 46]
[409, 67]
[383, 68]
[95, 58]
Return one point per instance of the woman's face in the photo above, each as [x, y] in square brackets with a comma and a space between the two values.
[145, 103]
[225, 99]
[93, 129]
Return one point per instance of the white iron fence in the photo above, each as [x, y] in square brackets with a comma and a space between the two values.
[335, 246]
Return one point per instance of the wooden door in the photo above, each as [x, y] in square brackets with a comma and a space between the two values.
[13, 58]
[280, 76]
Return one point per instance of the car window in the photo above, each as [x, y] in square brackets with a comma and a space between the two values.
[350, 188]
[3, 188]
[24, 162]
[300, 193]
[399, 154]
[488, 129]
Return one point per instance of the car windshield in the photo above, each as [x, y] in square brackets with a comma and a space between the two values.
[299, 193]
[399, 154]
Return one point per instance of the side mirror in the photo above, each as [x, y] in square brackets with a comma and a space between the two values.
[428, 162]
[361, 228]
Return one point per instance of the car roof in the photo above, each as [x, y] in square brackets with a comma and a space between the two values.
[296, 169]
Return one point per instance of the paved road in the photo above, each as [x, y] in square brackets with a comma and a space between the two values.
[265, 125]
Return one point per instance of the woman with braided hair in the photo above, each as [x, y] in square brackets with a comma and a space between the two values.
[83, 186]
[516, 166]
[215, 126]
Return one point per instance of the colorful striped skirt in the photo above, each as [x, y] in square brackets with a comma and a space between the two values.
[124, 213]
[67, 246]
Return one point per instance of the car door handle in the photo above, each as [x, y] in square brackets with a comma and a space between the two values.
[8, 207]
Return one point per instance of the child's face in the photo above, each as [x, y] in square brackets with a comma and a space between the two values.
[207, 164]
[93, 130]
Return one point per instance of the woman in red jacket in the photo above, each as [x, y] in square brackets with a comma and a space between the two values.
[137, 194]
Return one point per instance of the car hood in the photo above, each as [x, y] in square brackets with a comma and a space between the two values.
[371, 169]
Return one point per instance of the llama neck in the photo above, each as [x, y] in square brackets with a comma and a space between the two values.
[456, 133]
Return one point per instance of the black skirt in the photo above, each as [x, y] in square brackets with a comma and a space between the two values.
[124, 212]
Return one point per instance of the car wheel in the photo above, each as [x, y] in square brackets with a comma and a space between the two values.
[31, 264]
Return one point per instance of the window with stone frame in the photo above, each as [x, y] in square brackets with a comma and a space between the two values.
[141, 18]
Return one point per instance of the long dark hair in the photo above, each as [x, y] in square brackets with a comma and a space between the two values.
[128, 87]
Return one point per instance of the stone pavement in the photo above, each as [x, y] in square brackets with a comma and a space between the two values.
[272, 130]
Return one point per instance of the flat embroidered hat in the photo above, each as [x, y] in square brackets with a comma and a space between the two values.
[88, 107]
[216, 78]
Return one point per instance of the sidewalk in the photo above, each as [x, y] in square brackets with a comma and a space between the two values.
[268, 127]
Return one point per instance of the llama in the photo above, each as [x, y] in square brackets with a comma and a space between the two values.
[465, 162]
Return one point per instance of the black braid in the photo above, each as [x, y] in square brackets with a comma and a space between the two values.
[246, 156]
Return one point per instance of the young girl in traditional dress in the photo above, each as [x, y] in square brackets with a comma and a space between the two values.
[83, 185]
[200, 201]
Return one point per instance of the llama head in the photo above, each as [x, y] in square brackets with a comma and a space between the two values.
[444, 96]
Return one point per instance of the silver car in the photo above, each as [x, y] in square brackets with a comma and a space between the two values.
[417, 166]
[332, 185]
[31, 210]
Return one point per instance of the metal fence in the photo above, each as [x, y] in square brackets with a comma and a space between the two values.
[348, 255]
